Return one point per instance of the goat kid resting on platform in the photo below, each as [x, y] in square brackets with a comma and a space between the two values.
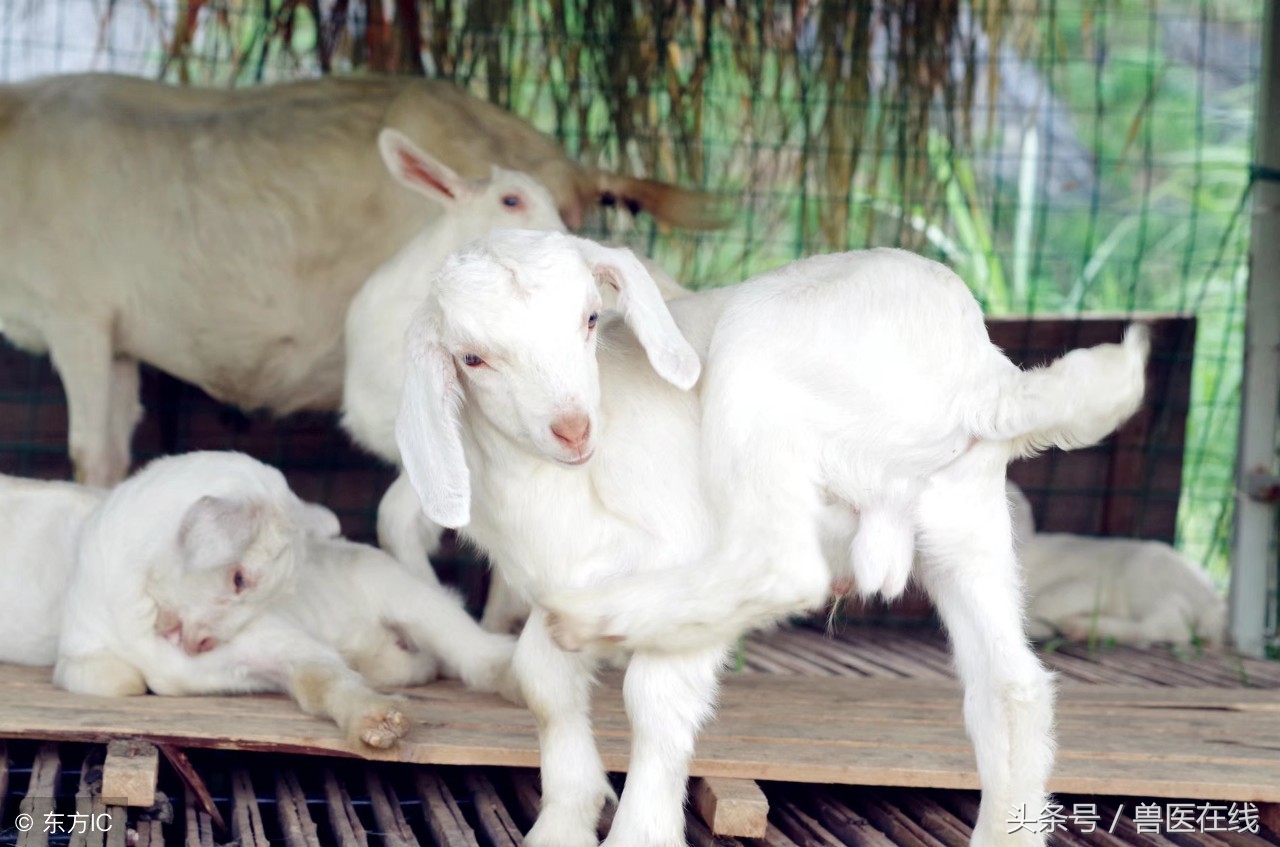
[204, 574]
[852, 413]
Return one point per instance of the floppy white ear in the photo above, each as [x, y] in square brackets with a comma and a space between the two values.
[414, 168]
[316, 520]
[642, 307]
[216, 530]
[427, 432]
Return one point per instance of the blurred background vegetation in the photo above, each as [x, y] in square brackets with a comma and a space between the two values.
[1065, 156]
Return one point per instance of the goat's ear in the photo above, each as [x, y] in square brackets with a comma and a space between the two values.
[216, 530]
[414, 168]
[428, 434]
[316, 520]
[644, 310]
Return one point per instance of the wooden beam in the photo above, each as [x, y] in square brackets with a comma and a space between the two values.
[735, 807]
[130, 772]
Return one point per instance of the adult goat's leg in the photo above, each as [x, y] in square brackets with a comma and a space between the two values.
[84, 360]
[557, 688]
[668, 698]
[970, 571]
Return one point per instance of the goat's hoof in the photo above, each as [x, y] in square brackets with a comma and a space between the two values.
[383, 726]
[568, 634]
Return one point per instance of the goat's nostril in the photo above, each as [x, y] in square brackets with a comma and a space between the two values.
[572, 430]
[204, 645]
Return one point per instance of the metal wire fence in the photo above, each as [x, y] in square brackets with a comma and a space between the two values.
[1067, 157]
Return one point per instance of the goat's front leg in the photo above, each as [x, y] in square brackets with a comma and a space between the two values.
[668, 699]
[557, 687]
[99, 417]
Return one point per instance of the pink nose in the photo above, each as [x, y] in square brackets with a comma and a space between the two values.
[204, 645]
[572, 430]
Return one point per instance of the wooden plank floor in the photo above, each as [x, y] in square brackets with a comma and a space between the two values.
[1184, 715]
[874, 707]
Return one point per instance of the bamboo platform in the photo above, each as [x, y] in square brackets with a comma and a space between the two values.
[876, 707]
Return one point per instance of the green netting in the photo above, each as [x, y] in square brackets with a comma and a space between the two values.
[1065, 156]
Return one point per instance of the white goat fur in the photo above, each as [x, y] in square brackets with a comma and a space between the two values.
[836, 386]
[204, 574]
[1125, 589]
[39, 529]
[253, 217]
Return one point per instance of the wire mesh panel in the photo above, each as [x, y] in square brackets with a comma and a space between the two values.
[1066, 157]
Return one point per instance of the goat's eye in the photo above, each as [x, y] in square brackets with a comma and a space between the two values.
[512, 201]
[239, 582]
[591, 321]
[471, 360]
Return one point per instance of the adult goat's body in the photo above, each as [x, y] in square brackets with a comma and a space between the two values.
[845, 397]
[220, 235]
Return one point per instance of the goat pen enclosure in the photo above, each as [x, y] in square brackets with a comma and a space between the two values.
[1067, 157]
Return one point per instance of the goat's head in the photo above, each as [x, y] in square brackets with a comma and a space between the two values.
[506, 200]
[510, 329]
[219, 536]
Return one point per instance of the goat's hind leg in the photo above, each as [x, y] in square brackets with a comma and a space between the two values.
[969, 570]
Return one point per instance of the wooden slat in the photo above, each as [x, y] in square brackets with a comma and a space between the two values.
[343, 820]
[246, 817]
[199, 824]
[4, 774]
[734, 807]
[1157, 742]
[130, 772]
[444, 818]
[291, 807]
[387, 813]
[89, 801]
[495, 820]
[46, 768]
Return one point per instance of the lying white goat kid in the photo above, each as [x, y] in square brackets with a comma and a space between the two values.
[1128, 590]
[568, 445]
[204, 574]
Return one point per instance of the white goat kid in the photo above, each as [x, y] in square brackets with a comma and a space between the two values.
[669, 522]
[1127, 589]
[204, 574]
[40, 525]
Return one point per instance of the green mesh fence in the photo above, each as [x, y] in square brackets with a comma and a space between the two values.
[1069, 157]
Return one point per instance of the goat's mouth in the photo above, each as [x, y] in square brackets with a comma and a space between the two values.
[581, 460]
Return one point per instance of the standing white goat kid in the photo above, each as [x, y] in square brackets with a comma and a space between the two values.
[204, 574]
[1130, 590]
[569, 446]
[381, 313]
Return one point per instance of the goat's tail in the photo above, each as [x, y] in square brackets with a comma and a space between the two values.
[1074, 402]
[670, 204]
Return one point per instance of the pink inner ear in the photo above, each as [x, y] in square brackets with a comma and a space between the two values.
[417, 171]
